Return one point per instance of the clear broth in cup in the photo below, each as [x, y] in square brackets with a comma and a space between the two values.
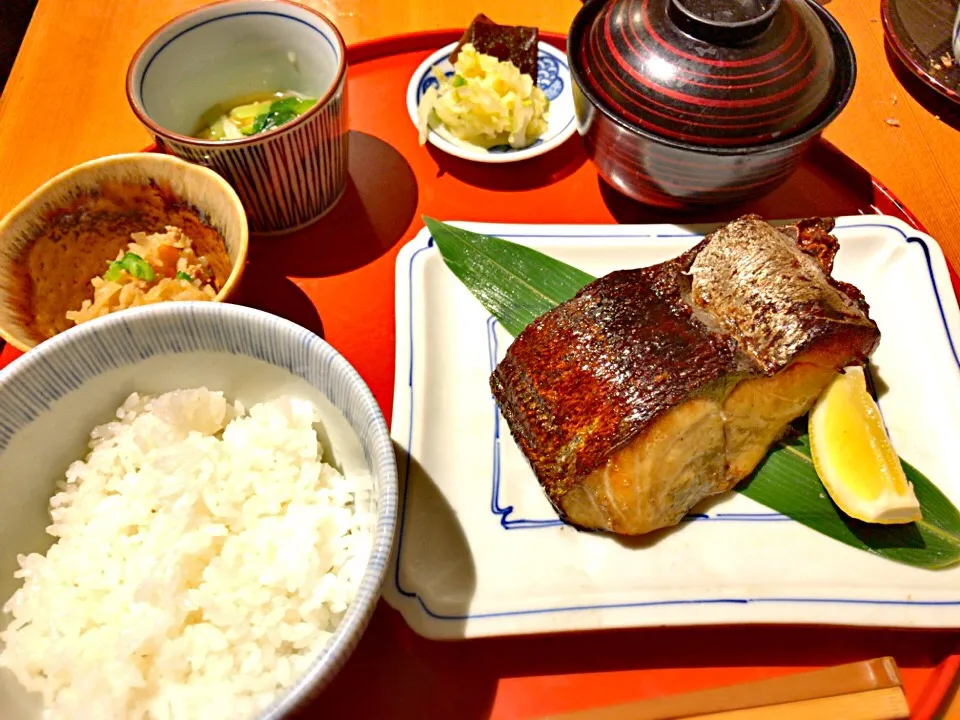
[251, 114]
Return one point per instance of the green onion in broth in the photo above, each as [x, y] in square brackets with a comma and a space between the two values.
[251, 114]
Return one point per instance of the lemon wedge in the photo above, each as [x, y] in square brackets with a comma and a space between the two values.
[853, 455]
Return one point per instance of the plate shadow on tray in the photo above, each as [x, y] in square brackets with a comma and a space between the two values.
[536, 172]
[415, 677]
[406, 677]
[946, 110]
[826, 183]
[419, 678]
[375, 211]
[451, 562]
[716, 646]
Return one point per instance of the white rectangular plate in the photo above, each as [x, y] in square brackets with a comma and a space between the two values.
[480, 551]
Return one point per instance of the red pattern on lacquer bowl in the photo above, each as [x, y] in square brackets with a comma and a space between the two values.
[674, 177]
[643, 67]
[672, 120]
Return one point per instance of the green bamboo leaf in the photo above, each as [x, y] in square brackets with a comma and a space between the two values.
[787, 482]
[518, 284]
[515, 283]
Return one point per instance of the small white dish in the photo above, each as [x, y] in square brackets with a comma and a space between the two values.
[553, 77]
[480, 551]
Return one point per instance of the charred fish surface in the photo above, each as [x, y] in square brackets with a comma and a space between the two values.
[655, 388]
[775, 299]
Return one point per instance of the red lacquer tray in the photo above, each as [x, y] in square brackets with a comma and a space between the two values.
[336, 278]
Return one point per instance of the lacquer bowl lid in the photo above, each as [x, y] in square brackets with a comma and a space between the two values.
[728, 73]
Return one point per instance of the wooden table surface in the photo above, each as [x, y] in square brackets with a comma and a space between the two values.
[65, 102]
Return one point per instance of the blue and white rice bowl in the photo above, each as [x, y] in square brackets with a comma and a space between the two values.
[553, 77]
[53, 396]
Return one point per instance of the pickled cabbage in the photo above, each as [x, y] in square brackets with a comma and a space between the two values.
[485, 103]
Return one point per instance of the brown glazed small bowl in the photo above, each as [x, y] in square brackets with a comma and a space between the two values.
[703, 102]
[100, 190]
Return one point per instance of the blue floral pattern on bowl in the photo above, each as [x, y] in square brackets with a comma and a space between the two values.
[548, 76]
[430, 80]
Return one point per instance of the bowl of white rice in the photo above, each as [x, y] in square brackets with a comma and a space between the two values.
[199, 504]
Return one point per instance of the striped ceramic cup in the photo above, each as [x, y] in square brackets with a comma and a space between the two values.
[239, 49]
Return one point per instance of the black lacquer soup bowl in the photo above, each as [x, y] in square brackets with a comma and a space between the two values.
[702, 102]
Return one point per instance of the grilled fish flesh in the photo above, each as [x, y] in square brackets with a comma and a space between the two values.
[655, 388]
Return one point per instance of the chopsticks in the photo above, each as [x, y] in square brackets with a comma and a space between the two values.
[867, 690]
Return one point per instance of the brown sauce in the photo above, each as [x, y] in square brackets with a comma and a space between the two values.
[53, 272]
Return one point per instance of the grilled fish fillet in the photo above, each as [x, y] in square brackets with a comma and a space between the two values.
[655, 388]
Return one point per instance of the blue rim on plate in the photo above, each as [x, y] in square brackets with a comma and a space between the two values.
[484, 516]
[553, 77]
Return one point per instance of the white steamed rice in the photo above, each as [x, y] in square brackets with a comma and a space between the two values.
[205, 554]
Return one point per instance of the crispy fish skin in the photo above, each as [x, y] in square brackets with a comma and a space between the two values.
[655, 388]
[585, 378]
